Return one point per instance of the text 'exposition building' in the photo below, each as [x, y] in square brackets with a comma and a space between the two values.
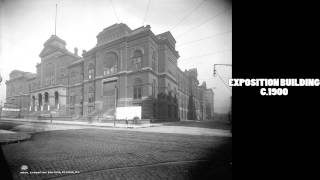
[125, 68]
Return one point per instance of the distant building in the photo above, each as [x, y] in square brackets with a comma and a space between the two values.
[125, 68]
[209, 106]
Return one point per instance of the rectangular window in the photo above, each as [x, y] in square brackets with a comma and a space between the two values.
[90, 109]
[154, 86]
[52, 80]
[154, 65]
[90, 97]
[137, 92]
[72, 99]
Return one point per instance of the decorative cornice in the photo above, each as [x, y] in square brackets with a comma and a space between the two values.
[49, 87]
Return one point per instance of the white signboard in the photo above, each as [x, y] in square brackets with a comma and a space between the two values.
[10, 109]
[128, 112]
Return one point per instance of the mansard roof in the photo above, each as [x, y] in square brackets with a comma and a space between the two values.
[53, 44]
[167, 35]
[113, 32]
[17, 74]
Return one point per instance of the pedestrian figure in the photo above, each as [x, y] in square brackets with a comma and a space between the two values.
[127, 122]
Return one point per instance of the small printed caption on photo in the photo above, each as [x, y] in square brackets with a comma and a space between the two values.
[276, 86]
[25, 170]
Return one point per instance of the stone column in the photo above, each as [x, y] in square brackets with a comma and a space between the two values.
[51, 104]
[42, 101]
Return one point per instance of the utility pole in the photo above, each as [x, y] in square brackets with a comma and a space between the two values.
[0, 109]
[19, 108]
[212, 108]
[115, 104]
[214, 74]
[0, 101]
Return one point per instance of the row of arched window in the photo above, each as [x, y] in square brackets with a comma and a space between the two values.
[111, 63]
[46, 99]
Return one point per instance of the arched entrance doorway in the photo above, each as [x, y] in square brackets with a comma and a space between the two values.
[56, 98]
[40, 101]
[33, 103]
[46, 100]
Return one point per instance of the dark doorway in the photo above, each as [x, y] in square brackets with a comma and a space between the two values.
[33, 102]
[56, 98]
[40, 100]
[109, 97]
[46, 97]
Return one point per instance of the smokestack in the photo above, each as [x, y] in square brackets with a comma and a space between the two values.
[76, 51]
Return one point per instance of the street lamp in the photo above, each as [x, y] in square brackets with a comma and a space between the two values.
[214, 67]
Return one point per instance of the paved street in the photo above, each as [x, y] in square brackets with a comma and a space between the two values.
[93, 153]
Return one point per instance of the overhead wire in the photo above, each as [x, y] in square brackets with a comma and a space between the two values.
[202, 23]
[208, 54]
[225, 84]
[205, 38]
[187, 15]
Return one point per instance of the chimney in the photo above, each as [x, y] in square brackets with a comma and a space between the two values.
[83, 52]
[76, 51]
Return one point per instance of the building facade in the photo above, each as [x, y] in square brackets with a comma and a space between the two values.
[126, 68]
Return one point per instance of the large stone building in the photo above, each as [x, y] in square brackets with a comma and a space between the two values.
[126, 68]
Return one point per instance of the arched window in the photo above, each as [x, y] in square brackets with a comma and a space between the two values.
[40, 99]
[33, 101]
[56, 98]
[137, 60]
[111, 64]
[137, 89]
[49, 73]
[46, 97]
[90, 97]
[154, 61]
[91, 71]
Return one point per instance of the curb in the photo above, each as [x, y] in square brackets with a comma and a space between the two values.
[72, 124]
[19, 137]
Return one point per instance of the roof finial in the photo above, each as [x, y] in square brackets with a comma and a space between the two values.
[55, 23]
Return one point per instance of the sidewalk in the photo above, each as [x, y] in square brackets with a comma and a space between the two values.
[164, 127]
[11, 137]
[81, 123]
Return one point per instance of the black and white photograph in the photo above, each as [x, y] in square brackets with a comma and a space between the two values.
[117, 89]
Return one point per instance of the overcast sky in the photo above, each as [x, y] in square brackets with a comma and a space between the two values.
[202, 29]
